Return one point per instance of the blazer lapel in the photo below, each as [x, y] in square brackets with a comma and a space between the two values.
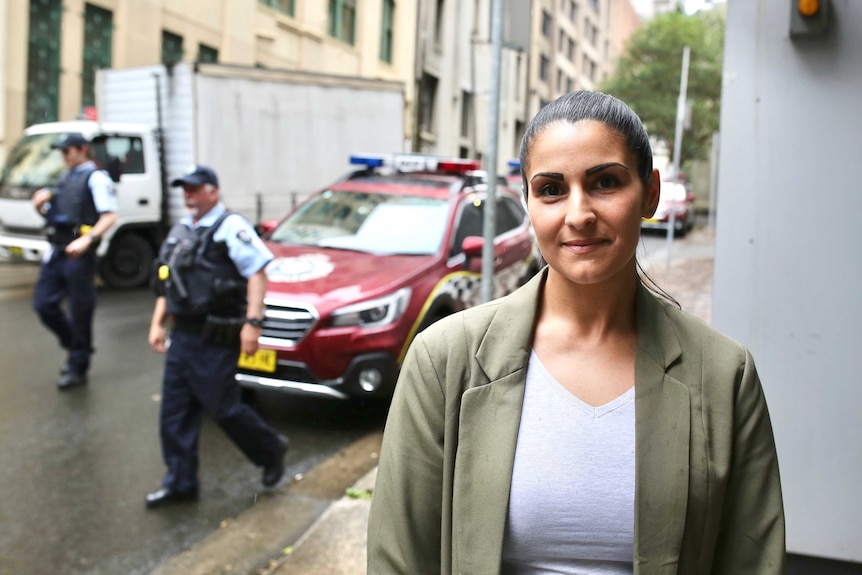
[662, 427]
[488, 432]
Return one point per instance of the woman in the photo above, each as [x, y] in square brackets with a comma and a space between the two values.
[582, 424]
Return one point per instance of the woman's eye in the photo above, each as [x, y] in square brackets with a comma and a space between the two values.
[606, 182]
[550, 190]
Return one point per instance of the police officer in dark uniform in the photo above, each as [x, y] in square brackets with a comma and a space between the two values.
[78, 211]
[210, 288]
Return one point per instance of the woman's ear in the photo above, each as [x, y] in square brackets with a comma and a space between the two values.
[653, 191]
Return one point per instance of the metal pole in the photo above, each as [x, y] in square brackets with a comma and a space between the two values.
[677, 145]
[713, 178]
[491, 169]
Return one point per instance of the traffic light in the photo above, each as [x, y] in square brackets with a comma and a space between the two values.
[808, 17]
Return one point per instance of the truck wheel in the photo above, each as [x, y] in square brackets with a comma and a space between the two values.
[128, 262]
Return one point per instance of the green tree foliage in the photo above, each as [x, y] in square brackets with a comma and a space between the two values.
[648, 76]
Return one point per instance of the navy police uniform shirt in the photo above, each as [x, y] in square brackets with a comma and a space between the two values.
[101, 187]
[245, 248]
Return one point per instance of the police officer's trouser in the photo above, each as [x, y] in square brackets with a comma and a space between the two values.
[200, 376]
[73, 279]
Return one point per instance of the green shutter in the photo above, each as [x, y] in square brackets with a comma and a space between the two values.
[207, 54]
[172, 48]
[387, 31]
[98, 33]
[43, 61]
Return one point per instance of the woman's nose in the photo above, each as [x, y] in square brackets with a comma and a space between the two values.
[580, 212]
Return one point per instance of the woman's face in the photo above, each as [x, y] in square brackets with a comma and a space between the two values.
[586, 201]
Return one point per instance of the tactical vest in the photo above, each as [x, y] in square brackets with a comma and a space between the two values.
[199, 277]
[73, 205]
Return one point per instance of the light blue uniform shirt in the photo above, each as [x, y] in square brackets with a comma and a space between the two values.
[101, 186]
[245, 248]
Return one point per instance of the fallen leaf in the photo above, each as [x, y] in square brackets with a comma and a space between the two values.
[358, 493]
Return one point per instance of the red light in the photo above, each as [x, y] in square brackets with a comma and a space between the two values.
[90, 113]
[458, 166]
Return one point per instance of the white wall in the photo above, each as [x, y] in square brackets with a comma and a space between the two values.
[788, 272]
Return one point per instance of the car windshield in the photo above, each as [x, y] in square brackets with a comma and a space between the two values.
[32, 162]
[367, 222]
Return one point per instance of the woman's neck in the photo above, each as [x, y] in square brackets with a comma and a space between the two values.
[592, 311]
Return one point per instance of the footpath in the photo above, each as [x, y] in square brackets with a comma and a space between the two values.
[331, 538]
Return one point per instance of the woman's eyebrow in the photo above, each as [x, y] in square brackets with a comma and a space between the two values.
[600, 167]
[551, 175]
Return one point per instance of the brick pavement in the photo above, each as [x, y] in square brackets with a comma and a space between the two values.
[689, 277]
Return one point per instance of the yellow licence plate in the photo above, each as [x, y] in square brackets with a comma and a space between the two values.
[652, 220]
[16, 251]
[263, 360]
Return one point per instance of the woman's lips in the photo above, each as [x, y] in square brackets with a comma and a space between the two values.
[583, 246]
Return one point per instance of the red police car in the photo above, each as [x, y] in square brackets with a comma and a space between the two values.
[366, 263]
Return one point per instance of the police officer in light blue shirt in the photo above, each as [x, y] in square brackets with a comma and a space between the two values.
[210, 287]
[78, 211]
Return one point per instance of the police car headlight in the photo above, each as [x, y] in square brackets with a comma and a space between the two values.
[373, 313]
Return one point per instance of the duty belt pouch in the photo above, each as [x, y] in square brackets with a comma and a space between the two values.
[222, 331]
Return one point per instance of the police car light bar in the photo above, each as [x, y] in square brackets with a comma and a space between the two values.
[367, 161]
[515, 164]
[416, 163]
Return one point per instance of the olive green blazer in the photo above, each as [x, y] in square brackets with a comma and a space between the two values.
[707, 490]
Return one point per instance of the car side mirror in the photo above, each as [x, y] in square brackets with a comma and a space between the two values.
[266, 227]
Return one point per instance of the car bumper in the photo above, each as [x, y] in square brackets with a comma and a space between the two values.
[20, 247]
[299, 379]
[680, 222]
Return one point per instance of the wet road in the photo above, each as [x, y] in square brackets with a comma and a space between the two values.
[75, 465]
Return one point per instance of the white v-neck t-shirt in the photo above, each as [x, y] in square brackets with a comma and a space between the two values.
[571, 503]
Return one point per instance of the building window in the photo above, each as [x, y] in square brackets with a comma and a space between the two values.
[98, 30]
[438, 23]
[342, 20]
[547, 24]
[427, 102]
[466, 113]
[386, 31]
[543, 67]
[589, 68]
[43, 61]
[570, 50]
[595, 5]
[172, 48]
[573, 11]
[283, 6]
[207, 54]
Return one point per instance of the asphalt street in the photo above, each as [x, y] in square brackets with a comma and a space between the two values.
[75, 465]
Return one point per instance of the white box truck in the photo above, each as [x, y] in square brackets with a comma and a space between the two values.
[273, 136]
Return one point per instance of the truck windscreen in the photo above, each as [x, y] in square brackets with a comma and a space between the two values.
[33, 163]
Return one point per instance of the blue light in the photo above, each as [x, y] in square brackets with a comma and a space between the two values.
[367, 161]
[515, 164]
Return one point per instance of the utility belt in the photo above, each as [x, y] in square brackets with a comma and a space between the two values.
[62, 235]
[214, 329]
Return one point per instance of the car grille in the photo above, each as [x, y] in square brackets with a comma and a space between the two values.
[24, 232]
[285, 324]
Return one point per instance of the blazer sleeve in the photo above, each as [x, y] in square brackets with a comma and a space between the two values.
[751, 538]
[404, 526]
